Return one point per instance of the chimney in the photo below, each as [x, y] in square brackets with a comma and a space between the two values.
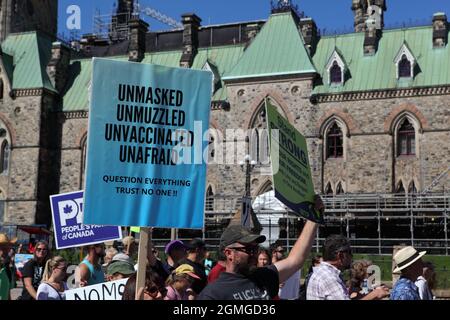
[366, 9]
[58, 66]
[251, 30]
[359, 9]
[138, 30]
[440, 30]
[309, 31]
[191, 25]
[372, 37]
[87, 41]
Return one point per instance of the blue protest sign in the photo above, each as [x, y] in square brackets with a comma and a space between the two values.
[145, 160]
[67, 213]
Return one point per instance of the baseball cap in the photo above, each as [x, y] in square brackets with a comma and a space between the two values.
[121, 267]
[186, 269]
[122, 257]
[174, 244]
[237, 233]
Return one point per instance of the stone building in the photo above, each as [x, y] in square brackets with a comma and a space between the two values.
[374, 105]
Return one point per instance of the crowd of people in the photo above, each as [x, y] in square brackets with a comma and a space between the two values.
[244, 270]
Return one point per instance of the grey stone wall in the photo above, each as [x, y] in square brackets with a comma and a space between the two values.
[370, 163]
[23, 116]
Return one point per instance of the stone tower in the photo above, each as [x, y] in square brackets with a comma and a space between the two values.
[124, 10]
[28, 15]
[364, 9]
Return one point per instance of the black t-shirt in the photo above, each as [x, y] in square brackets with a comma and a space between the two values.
[32, 270]
[262, 284]
[199, 284]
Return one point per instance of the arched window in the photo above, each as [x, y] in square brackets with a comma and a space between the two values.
[258, 137]
[336, 73]
[412, 188]
[335, 146]
[404, 67]
[339, 189]
[1, 88]
[328, 189]
[406, 139]
[400, 188]
[4, 157]
[209, 199]
[2, 208]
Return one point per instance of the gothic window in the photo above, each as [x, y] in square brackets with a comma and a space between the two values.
[339, 189]
[4, 157]
[2, 211]
[404, 67]
[254, 145]
[328, 189]
[335, 146]
[209, 199]
[336, 73]
[412, 188]
[400, 188]
[2, 208]
[5, 150]
[406, 139]
[259, 139]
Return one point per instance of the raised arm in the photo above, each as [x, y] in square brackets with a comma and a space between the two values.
[300, 252]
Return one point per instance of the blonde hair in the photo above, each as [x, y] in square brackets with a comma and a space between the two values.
[174, 277]
[50, 265]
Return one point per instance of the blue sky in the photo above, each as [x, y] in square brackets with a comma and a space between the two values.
[332, 15]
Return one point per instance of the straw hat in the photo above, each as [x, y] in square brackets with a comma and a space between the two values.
[406, 257]
[5, 240]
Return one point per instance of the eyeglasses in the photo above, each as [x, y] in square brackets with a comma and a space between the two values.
[247, 250]
[280, 251]
[153, 291]
[41, 249]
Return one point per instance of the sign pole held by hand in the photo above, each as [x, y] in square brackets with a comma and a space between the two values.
[142, 260]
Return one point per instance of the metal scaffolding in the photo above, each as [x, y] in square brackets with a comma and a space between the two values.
[374, 223]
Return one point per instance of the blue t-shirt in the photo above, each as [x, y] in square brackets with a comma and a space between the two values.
[405, 289]
[96, 275]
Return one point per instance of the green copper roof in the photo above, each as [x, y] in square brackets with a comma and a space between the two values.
[77, 91]
[223, 58]
[168, 59]
[366, 73]
[76, 97]
[31, 53]
[278, 49]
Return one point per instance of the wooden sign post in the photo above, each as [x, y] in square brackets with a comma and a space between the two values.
[144, 239]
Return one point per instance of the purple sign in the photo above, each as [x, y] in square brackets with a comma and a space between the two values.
[67, 213]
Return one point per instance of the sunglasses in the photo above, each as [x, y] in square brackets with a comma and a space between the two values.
[247, 250]
[280, 251]
[153, 291]
[41, 249]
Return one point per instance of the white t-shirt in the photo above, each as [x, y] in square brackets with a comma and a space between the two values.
[47, 292]
[424, 291]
